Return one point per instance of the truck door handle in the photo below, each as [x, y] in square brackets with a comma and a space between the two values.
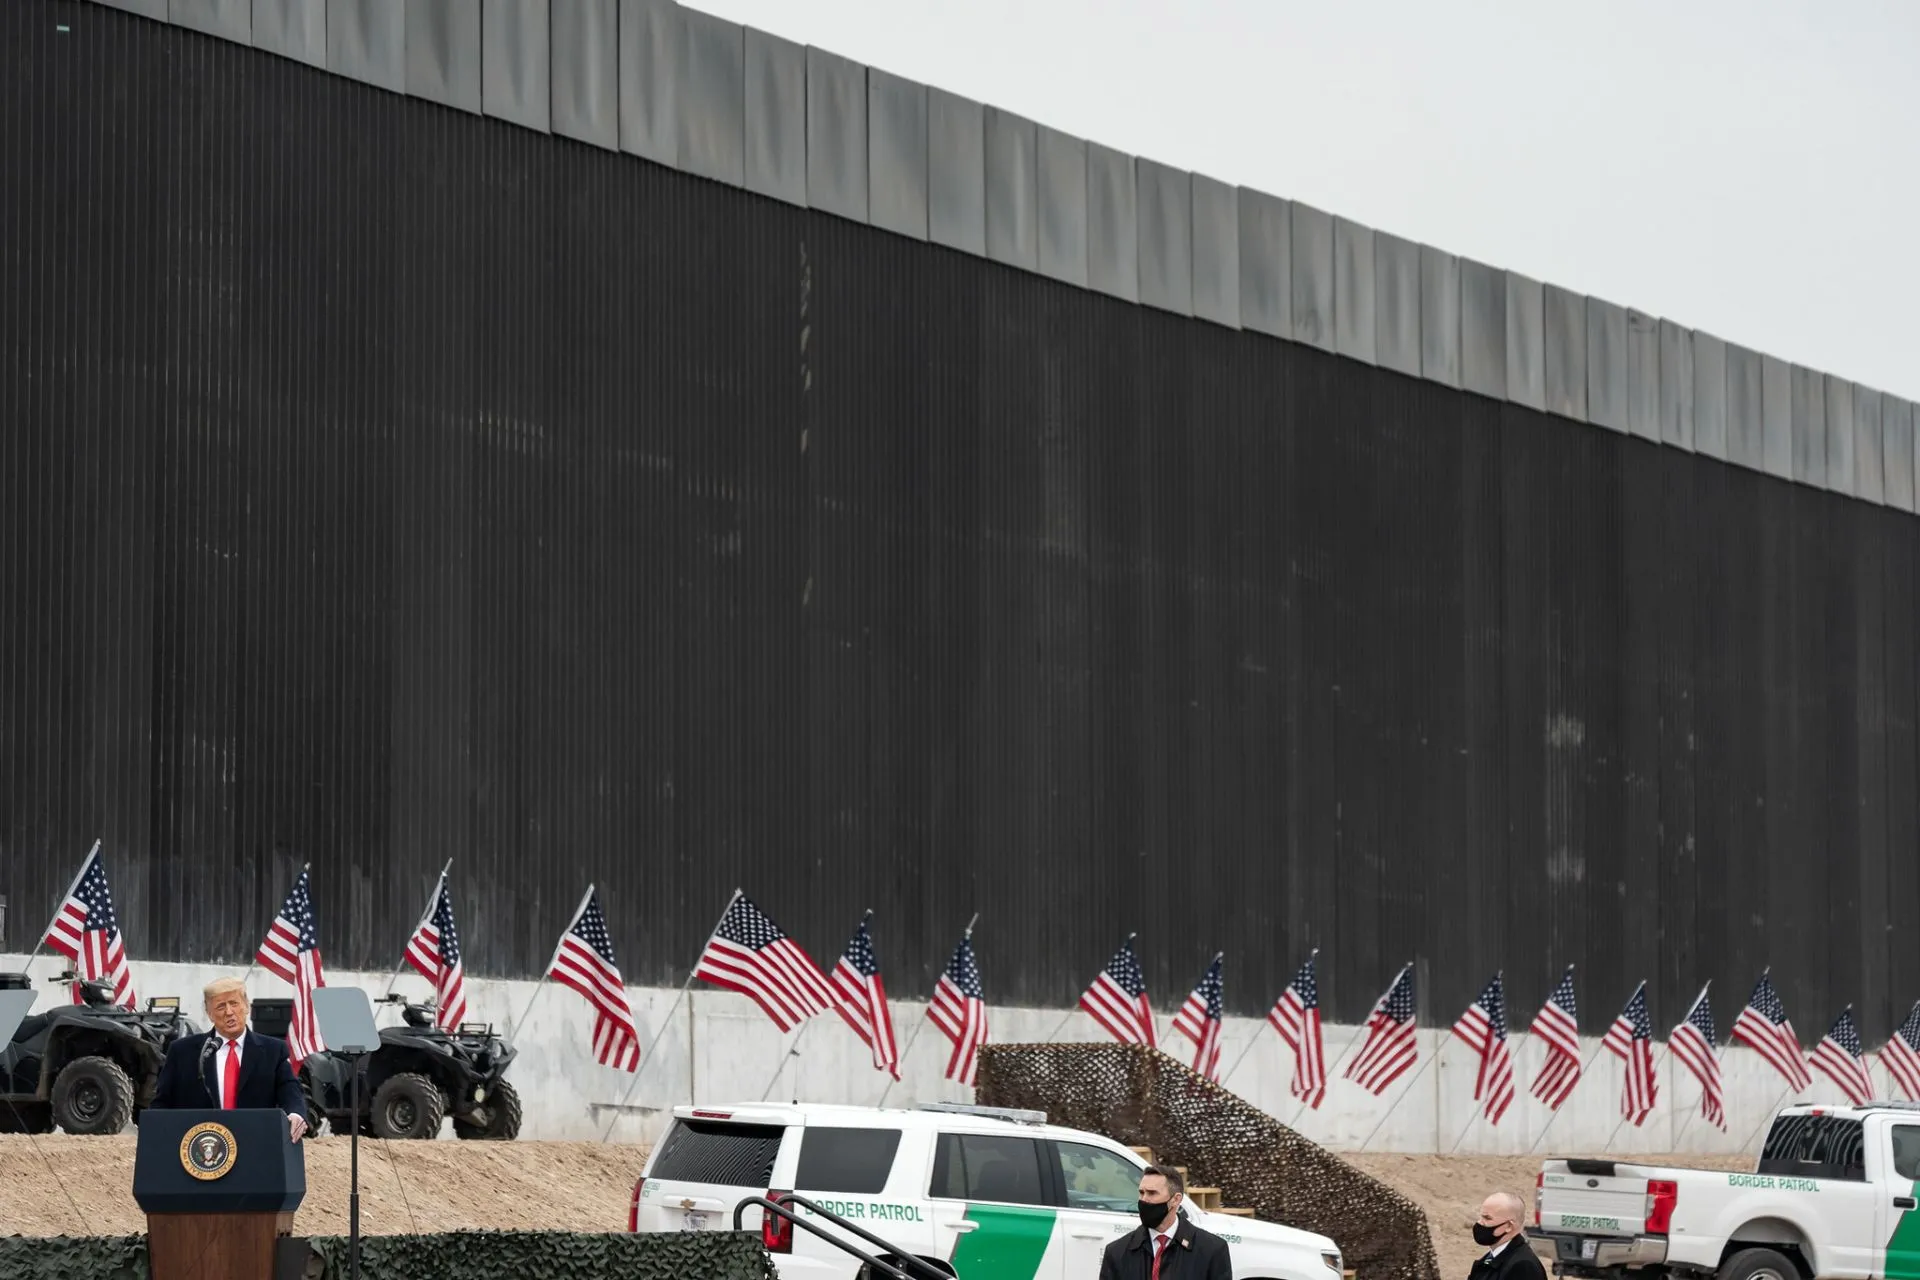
[1085, 1235]
[1903, 1202]
[963, 1226]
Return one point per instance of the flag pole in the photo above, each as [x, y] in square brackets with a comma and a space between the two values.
[918, 1027]
[793, 1051]
[433, 900]
[1672, 1078]
[71, 886]
[254, 960]
[1664, 1050]
[1479, 1107]
[1676, 1088]
[1331, 1076]
[666, 1022]
[1584, 1069]
[1255, 1039]
[1250, 1043]
[1480, 1104]
[1412, 1080]
[922, 1024]
[547, 972]
[1768, 1114]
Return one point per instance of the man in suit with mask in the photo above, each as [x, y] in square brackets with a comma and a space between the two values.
[1508, 1255]
[1165, 1246]
[230, 1067]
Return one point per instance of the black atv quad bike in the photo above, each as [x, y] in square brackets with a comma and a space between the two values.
[418, 1076]
[88, 1068]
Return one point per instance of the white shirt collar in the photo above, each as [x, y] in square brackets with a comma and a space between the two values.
[1495, 1251]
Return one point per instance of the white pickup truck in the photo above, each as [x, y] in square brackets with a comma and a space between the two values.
[1832, 1196]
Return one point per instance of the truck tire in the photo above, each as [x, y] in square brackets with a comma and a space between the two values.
[1758, 1264]
[408, 1106]
[92, 1096]
[503, 1117]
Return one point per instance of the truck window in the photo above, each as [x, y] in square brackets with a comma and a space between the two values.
[852, 1161]
[1098, 1179]
[727, 1155]
[978, 1166]
[1906, 1151]
[1811, 1146]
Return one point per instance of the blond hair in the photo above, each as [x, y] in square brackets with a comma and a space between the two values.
[214, 988]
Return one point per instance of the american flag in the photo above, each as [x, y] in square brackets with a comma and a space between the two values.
[1557, 1025]
[1630, 1039]
[1843, 1058]
[434, 950]
[584, 961]
[863, 1000]
[1484, 1026]
[85, 931]
[1296, 1016]
[749, 954]
[1200, 1019]
[1393, 1042]
[959, 1009]
[1901, 1057]
[291, 952]
[1694, 1044]
[1763, 1024]
[1118, 998]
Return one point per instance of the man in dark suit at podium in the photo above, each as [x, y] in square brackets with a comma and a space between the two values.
[231, 1067]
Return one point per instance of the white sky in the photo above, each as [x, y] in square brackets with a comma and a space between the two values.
[1747, 167]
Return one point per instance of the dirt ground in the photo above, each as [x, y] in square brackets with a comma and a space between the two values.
[404, 1186]
[577, 1186]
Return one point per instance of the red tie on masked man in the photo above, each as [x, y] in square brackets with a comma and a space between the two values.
[230, 1067]
[1166, 1246]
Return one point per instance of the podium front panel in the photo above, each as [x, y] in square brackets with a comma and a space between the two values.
[218, 1162]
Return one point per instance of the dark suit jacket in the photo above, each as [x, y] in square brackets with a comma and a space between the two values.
[266, 1076]
[1193, 1255]
[1517, 1261]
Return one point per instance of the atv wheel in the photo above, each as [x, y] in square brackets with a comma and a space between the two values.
[92, 1096]
[408, 1106]
[503, 1117]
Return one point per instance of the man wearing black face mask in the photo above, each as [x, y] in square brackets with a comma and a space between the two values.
[1508, 1255]
[1166, 1246]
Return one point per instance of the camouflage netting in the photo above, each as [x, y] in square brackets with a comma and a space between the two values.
[1143, 1098]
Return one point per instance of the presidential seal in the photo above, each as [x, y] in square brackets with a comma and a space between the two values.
[208, 1151]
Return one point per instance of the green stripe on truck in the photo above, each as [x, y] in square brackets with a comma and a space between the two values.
[1008, 1246]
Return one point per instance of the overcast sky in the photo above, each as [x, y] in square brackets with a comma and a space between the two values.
[1747, 167]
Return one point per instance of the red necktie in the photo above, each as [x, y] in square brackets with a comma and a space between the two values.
[230, 1077]
[1159, 1252]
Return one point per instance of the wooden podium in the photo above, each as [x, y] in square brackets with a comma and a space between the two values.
[219, 1189]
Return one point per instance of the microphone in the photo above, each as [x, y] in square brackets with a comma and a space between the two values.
[206, 1051]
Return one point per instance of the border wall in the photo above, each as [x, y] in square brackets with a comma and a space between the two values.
[385, 480]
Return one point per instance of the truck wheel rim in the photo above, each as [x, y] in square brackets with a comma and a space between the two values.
[88, 1101]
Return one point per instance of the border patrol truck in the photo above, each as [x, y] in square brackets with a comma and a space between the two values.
[1832, 1195]
[978, 1193]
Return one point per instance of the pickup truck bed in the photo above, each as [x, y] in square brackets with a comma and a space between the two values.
[1832, 1195]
